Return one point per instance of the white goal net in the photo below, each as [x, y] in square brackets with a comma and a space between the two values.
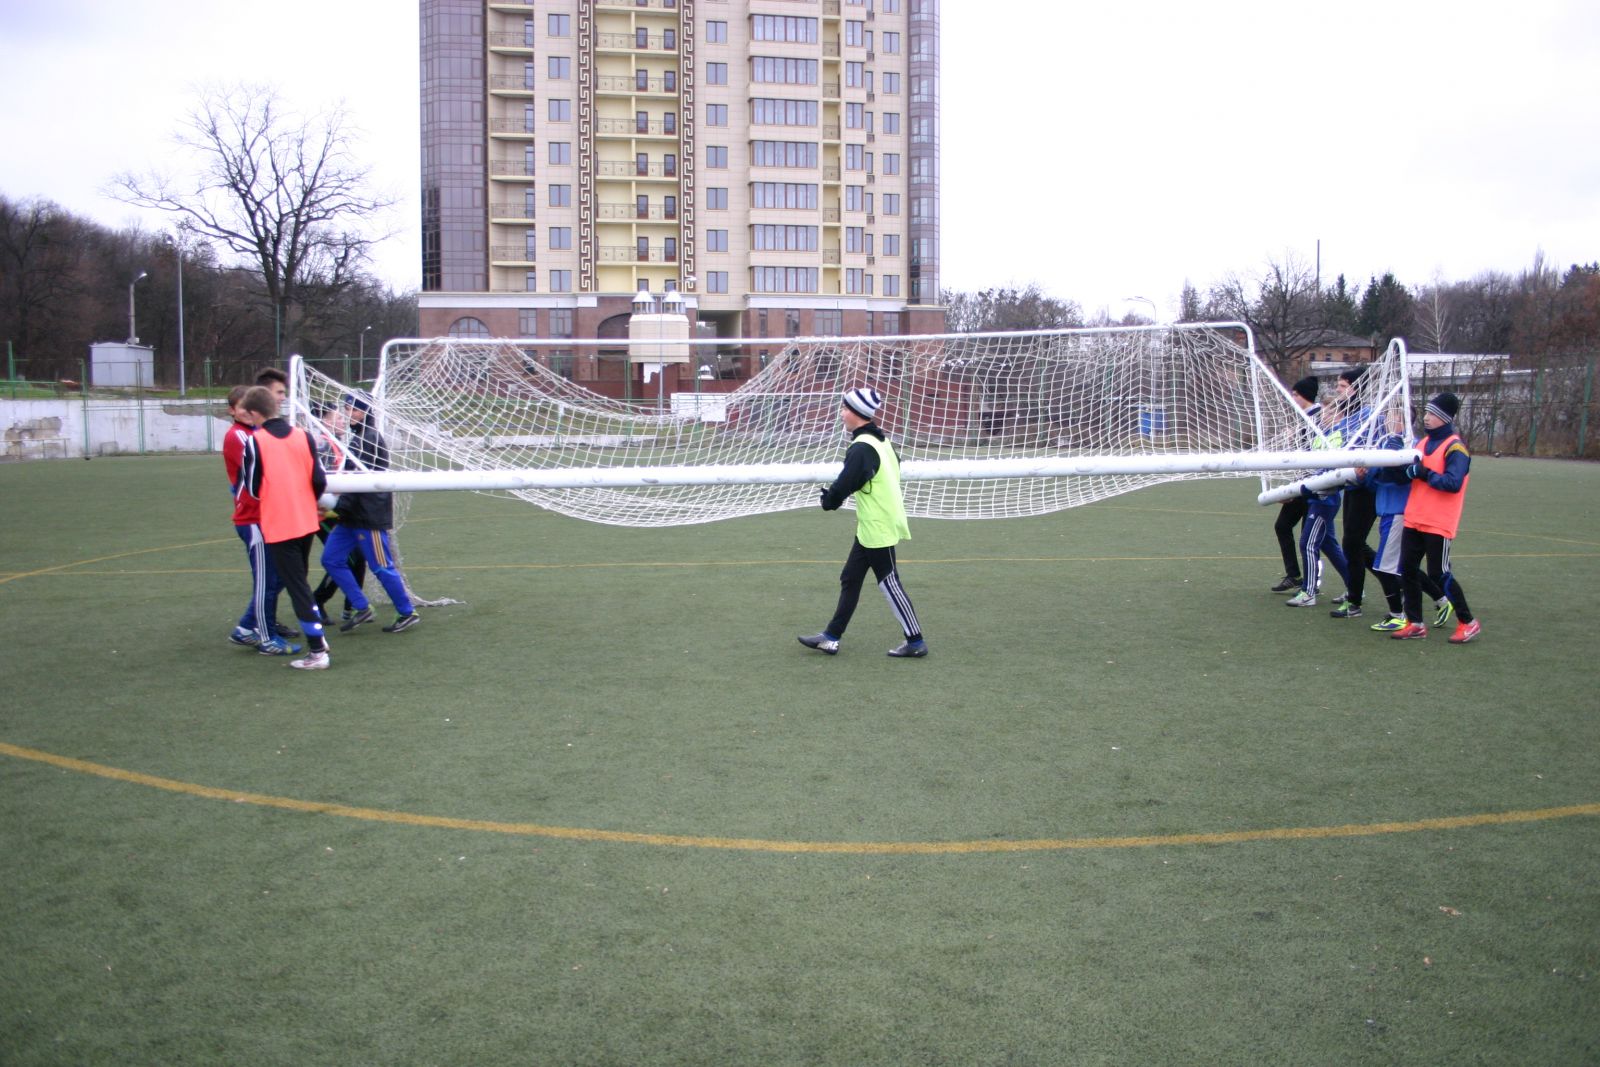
[1119, 408]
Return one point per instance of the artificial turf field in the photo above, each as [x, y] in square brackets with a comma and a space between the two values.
[1131, 810]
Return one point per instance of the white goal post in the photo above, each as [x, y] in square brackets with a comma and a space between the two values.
[986, 425]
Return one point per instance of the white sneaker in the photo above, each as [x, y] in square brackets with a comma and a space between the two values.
[316, 661]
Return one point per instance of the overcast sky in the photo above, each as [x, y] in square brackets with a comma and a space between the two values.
[1102, 150]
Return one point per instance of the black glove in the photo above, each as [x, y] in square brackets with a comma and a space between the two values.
[827, 505]
[1305, 493]
[1414, 471]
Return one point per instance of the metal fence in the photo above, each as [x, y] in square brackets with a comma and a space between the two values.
[1551, 411]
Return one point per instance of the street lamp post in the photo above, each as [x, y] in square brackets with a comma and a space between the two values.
[1155, 313]
[133, 330]
[361, 358]
[177, 247]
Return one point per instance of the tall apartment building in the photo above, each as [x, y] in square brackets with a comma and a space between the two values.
[776, 161]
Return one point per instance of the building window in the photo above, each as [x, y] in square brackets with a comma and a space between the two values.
[855, 116]
[716, 240]
[717, 156]
[559, 67]
[783, 154]
[716, 31]
[783, 279]
[528, 322]
[891, 122]
[669, 206]
[855, 74]
[561, 196]
[561, 237]
[669, 81]
[891, 243]
[791, 322]
[770, 238]
[669, 122]
[558, 25]
[669, 39]
[891, 285]
[669, 249]
[827, 323]
[529, 80]
[891, 203]
[855, 198]
[855, 157]
[530, 281]
[889, 323]
[716, 114]
[783, 70]
[716, 198]
[716, 281]
[855, 239]
[891, 82]
[561, 153]
[530, 244]
[793, 28]
[891, 162]
[855, 34]
[768, 111]
[560, 322]
[891, 42]
[559, 110]
[561, 281]
[467, 326]
[783, 195]
[716, 74]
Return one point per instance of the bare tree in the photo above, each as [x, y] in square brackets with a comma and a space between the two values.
[1432, 318]
[1009, 308]
[1281, 305]
[285, 193]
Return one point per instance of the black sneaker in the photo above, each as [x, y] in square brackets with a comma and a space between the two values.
[910, 650]
[822, 643]
[351, 622]
[1346, 610]
[1286, 584]
[404, 622]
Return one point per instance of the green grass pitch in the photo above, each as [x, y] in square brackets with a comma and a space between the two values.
[607, 810]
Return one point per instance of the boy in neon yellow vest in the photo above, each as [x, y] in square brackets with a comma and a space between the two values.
[872, 473]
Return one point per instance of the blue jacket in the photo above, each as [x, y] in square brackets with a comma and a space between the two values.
[1391, 486]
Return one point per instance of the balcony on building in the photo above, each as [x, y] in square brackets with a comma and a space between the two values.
[631, 128]
[641, 40]
[511, 255]
[518, 43]
[512, 85]
[511, 212]
[517, 129]
[511, 169]
[636, 254]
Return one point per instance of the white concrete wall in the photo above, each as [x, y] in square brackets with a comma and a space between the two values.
[56, 429]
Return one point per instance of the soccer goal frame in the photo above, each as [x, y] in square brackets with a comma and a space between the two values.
[986, 425]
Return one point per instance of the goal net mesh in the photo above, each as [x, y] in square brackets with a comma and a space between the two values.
[485, 405]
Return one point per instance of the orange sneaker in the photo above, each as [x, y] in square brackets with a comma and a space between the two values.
[1411, 631]
[1465, 631]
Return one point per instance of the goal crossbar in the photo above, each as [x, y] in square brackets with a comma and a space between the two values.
[911, 471]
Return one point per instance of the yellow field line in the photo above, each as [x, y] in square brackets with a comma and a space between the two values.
[102, 559]
[749, 844]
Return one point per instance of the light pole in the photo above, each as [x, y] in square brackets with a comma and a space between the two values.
[1155, 313]
[177, 247]
[133, 330]
[361, 359]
